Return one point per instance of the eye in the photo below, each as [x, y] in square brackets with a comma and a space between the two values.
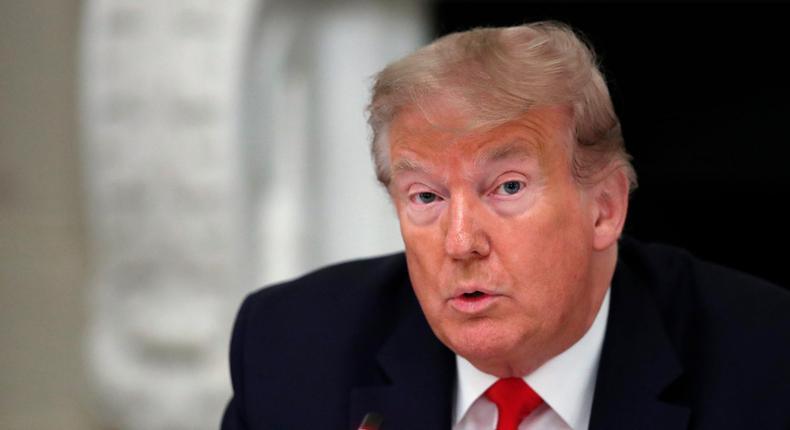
[426, 197]
[509, 188]
[422, 196]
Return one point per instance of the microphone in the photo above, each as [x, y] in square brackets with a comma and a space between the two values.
[372, 421]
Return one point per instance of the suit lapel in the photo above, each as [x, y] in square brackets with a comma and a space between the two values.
[421, 372]
[638, 363]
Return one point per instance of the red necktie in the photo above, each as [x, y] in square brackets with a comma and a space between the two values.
[514, 400]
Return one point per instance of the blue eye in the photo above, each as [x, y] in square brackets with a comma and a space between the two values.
[511, 187]
[426, 197]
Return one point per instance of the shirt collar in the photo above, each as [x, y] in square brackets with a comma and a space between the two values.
[566, 382]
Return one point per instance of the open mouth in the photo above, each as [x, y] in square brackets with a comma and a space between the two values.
[474, 302]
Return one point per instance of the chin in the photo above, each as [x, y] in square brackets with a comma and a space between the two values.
[484, 343]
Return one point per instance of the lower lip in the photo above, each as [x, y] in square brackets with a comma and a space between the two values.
[473, 305]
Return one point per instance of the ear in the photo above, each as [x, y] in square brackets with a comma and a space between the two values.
[611, 206]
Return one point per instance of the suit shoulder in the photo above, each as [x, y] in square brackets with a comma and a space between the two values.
[729, 331]
[708, 305]
[334, 291]
[335, 278]
[674, 274]
[315, 334]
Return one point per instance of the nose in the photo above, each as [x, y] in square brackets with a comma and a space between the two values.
[464, 237]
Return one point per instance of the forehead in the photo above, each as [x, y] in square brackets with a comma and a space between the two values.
[542, 133]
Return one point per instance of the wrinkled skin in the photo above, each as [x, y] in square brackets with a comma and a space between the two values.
[497, 211]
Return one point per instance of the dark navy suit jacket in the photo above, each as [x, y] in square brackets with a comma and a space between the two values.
[688, 345]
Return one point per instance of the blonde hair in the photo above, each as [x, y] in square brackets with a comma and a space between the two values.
[501, 73]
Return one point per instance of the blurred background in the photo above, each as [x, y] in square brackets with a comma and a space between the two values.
[159, 160]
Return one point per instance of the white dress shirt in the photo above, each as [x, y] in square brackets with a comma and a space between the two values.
[566, 383]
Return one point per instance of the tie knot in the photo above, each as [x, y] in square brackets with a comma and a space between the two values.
[514, 400]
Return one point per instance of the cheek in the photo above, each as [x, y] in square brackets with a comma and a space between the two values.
[422, 243]
[547, 254]
[424, 254]
[423, 240]
[425, 281]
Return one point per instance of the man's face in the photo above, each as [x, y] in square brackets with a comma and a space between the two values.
[498, 235]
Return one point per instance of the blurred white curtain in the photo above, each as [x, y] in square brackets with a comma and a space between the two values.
[224, 147]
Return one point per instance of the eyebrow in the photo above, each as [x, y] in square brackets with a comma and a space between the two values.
[408, 165]
[518, 148]
[514, 149]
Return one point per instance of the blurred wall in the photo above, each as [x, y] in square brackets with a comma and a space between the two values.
[159, 86]
[224, 147]
[42, 246]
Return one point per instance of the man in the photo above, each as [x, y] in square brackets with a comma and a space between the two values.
[516, 304]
